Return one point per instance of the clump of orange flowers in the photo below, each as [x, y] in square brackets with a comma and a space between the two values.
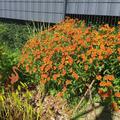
[109, 77]
[70, 55]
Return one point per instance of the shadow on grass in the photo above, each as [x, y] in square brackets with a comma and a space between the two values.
[104, 115]
[84, 113]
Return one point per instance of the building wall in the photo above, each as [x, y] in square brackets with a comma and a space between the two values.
[35, 10]
[54, 10]
[94, 7]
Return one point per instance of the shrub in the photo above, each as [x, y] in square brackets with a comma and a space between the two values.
[8, 58]
[69, 56]
[13, 35]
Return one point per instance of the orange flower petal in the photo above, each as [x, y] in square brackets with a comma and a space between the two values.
[117, 94]
[98, 77]
[75, 75]
[105, 84]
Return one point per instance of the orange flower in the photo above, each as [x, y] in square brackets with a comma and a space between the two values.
[104, 94]
[86, 67]
[118, 42]
[118, 51]
[117, 94]
[47, 68]
[75, 75]
[100, 91]
[100, 57]
[109, 77]
[22, 60]
[70, 70]
[83, 57]
[102, 47]
[72, 53]
[109, 51]
[60, 94]
[118, 58]
[105, 84]
[42, 67]
[54, 67]
[44, 75]
[115, 106]
[27, 68]
[61, 66]
[55, 76]
[68, 82]
[63, 72]
[98, 77]
[43, 81]
[91, 61]
[94, 54]
[70, 60]
[48, 78]
[88, 39]
[64, 89]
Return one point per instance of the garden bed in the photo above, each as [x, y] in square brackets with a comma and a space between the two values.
[63, 70]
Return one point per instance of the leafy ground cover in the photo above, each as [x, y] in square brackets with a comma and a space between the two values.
[71, 61]
[12, 38]
[13, 35]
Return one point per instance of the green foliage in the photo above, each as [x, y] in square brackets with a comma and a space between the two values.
[8, 58]
[13, 35]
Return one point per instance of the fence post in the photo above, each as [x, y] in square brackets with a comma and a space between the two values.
[65, 8]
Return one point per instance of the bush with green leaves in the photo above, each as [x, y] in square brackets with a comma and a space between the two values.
[69, 56]
[14, 35]
[8, 58]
